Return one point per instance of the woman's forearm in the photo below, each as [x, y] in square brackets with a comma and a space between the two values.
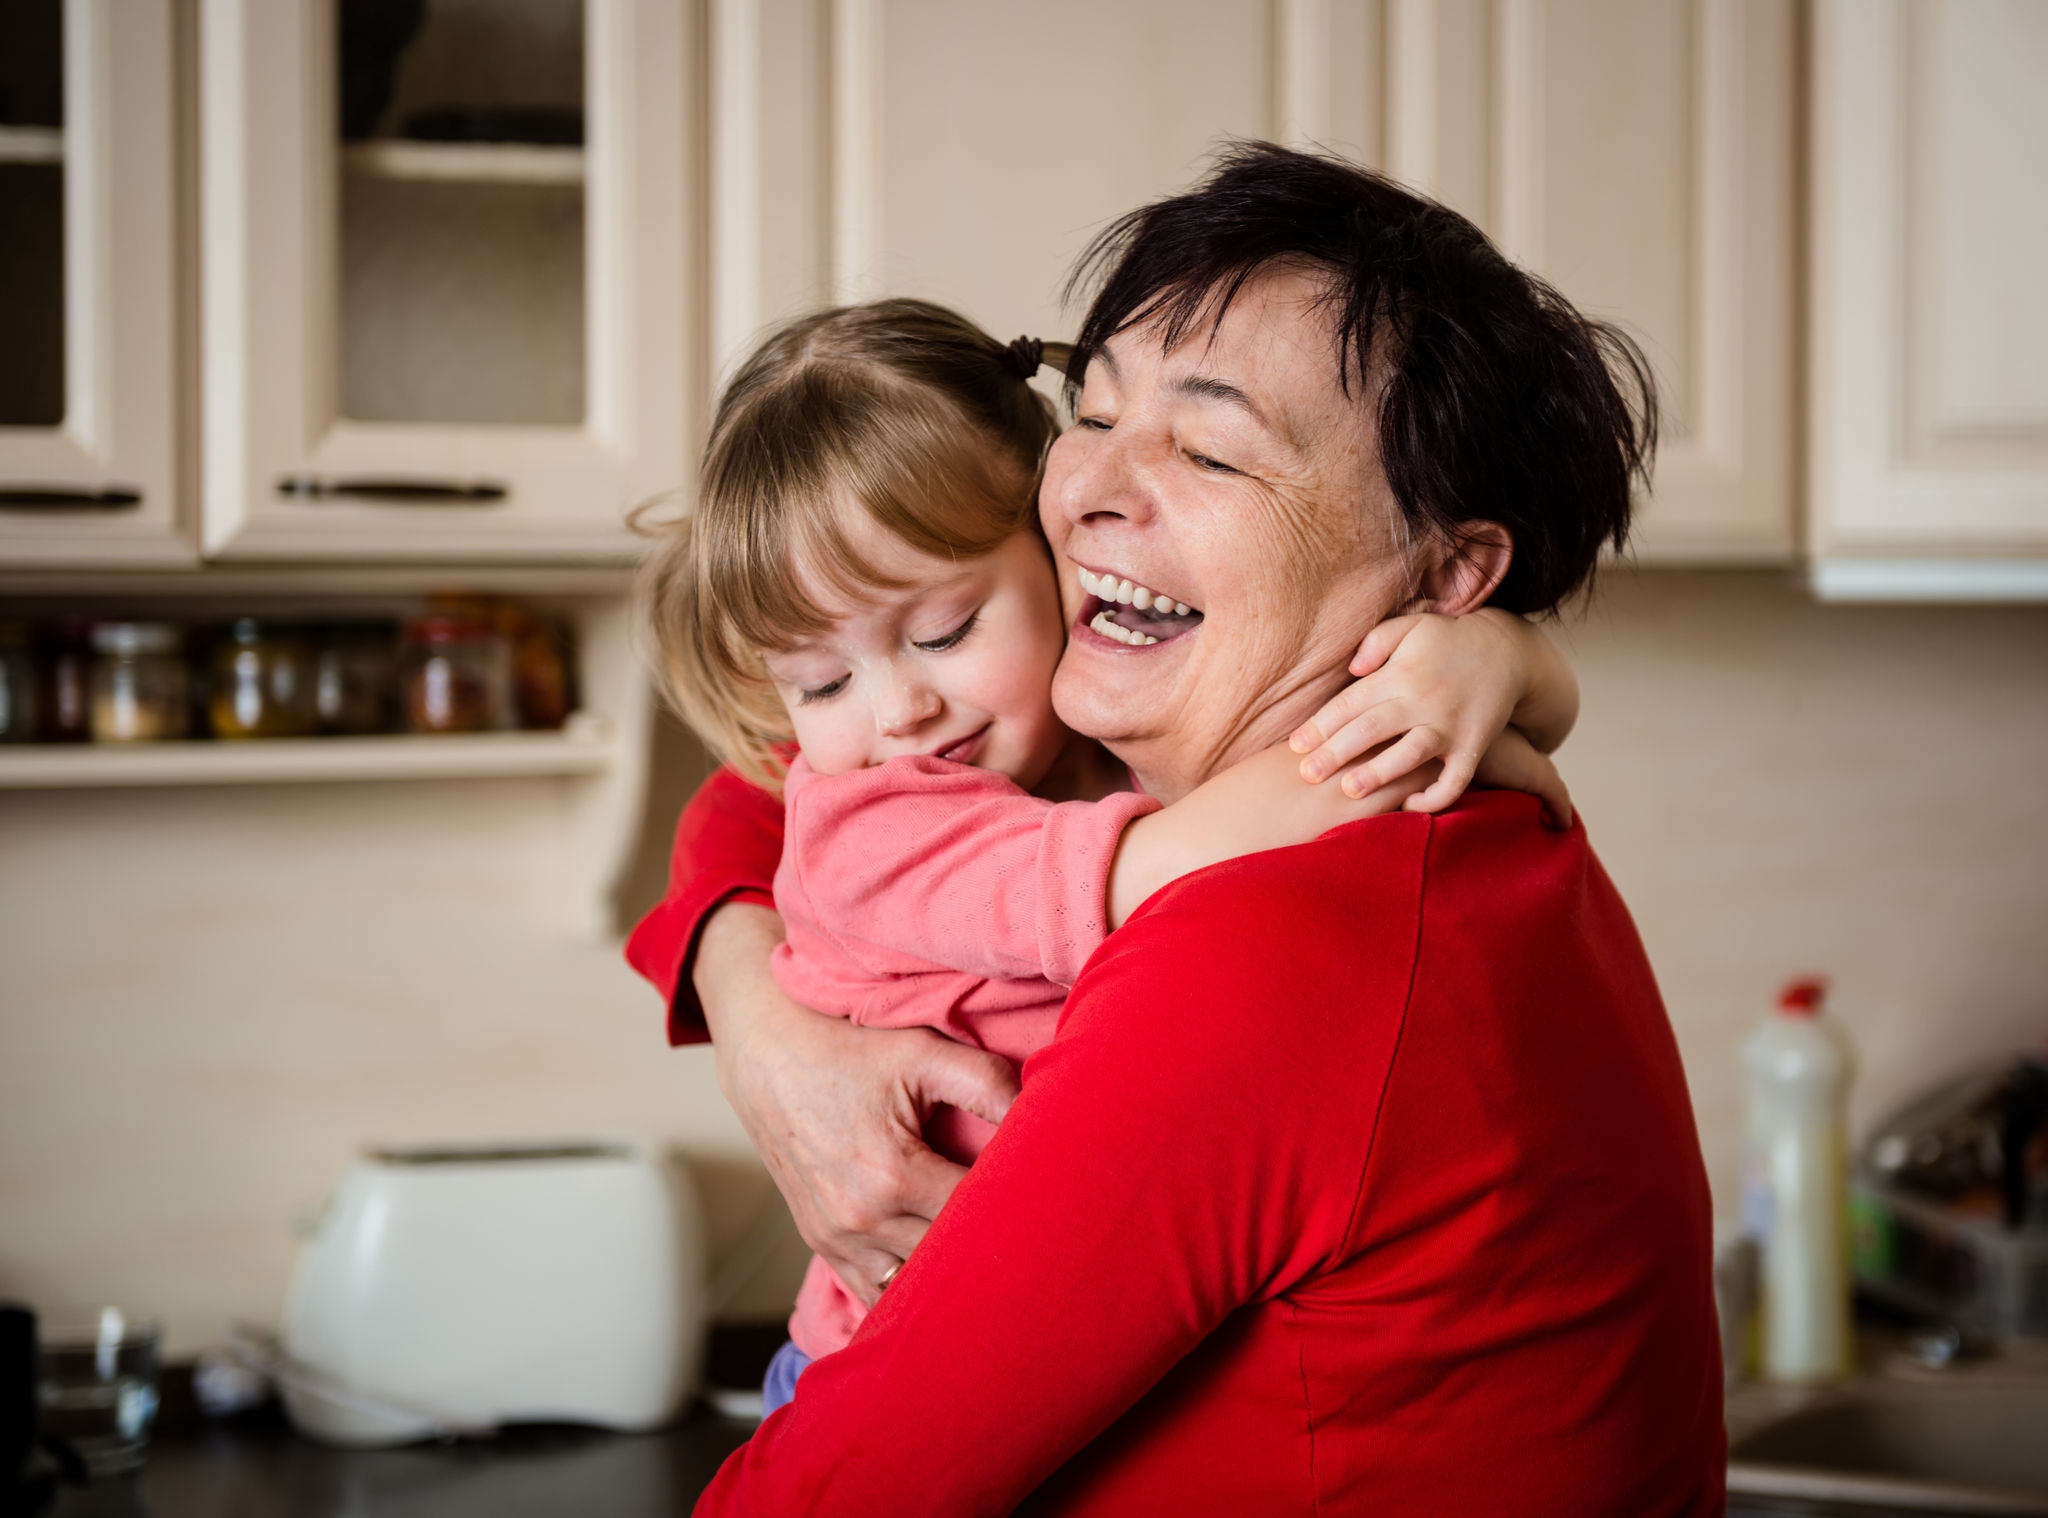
[730, 972]
[835, 1111]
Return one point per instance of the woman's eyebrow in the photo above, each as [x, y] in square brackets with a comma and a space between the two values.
[1208, 387]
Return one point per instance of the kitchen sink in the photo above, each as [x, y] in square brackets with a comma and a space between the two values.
[1934, 1445]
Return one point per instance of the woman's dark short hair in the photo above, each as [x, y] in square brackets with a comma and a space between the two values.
[1501, 403]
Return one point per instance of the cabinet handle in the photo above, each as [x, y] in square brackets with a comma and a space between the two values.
[66, 498]
[322, 487]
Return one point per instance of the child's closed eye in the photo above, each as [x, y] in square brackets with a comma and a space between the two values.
[952, 639]
[813, 693]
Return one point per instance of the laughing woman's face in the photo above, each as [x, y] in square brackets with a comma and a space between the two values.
[1225, 536]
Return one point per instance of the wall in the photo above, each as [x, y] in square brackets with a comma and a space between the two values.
[209, 999]
[1778, 786]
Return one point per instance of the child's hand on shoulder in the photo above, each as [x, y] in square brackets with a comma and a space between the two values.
[1442, 690]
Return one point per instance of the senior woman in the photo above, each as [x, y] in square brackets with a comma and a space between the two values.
[1359, 1176]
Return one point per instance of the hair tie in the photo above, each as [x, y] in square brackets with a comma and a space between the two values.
[1026, 353]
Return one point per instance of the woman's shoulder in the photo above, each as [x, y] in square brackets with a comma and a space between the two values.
[1354, 898]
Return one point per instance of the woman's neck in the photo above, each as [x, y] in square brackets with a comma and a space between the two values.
[1084, 771]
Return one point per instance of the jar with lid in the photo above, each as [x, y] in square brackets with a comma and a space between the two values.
[262, 680]
[64, 681]
[141, 690]
[17, 684]
[458, 677]
[355, 676]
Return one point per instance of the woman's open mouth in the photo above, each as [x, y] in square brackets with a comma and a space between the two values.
[1132, 614]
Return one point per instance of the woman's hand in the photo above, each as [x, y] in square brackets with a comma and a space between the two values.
[837, 1111]
[1445, 688]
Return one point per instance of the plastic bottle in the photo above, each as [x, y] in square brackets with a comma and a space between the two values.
[1795, 1186]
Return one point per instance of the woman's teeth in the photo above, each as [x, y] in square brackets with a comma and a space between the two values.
[1110, 588]
[1109, 629]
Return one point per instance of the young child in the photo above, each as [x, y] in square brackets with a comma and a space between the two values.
[864, 579]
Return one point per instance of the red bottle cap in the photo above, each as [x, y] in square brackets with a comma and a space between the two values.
[1802, 997]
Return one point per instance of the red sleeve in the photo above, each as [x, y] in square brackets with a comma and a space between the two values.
[1190, 1142]
[728, 843]
[955, 866]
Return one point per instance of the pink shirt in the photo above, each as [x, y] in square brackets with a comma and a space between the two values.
[926, 894]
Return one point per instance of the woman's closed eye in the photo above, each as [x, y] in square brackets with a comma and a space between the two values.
[1210, 463]
[952, 639]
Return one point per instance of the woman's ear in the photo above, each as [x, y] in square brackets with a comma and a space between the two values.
[1466, 568]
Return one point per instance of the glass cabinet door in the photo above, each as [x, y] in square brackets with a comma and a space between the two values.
[445, 275]
[87, 285]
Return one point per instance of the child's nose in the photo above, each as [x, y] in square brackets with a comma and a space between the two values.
[905, 707]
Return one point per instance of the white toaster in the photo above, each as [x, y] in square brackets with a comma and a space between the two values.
[452, 1289]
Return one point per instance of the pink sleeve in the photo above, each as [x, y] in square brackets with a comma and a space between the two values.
[957, 866]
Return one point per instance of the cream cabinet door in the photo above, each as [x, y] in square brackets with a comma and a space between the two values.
[962, 153]
[438, 326]
[1929, 399]
[88, 289]
[1640, 155]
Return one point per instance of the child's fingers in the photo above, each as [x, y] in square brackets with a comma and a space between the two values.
[1459, 768]
[1380, 643]
[1361, 735]
[1340, 711]
[1415, 748]
[1556, 798]
[1512, 764]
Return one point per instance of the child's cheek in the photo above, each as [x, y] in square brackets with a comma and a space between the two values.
[823, 738]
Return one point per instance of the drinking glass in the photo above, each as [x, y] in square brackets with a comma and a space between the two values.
[96, 1378]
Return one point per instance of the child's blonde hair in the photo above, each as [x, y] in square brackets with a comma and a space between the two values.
[900, 407]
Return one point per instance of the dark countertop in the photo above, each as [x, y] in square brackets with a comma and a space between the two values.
[256, 1467]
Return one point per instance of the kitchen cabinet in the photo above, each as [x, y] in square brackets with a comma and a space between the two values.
[88, 422]
[458, 327]
[1929, 321]
[1640, 155]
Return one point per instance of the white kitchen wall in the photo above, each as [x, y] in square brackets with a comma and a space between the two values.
[210, 998]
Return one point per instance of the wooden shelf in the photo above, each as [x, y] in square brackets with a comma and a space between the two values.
[465, 162]
[27, 144]
[587, 747]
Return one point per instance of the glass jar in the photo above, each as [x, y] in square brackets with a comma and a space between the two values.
[64, 682]
[262, 681]
[355, 676]
[17, 684]
[458, 677]
[141, 690]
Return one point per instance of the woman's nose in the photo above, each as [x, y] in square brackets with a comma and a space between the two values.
[1108, 480]
[904, 706]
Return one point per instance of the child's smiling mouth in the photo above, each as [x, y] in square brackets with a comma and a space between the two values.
[1134, 615]
[963, 750]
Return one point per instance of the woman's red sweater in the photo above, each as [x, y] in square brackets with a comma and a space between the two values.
[1360, 1177]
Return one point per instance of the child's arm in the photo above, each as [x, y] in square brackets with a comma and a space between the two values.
[1445, 687]
[1257, 804]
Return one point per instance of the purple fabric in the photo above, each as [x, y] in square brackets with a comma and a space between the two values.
[779, 1385]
